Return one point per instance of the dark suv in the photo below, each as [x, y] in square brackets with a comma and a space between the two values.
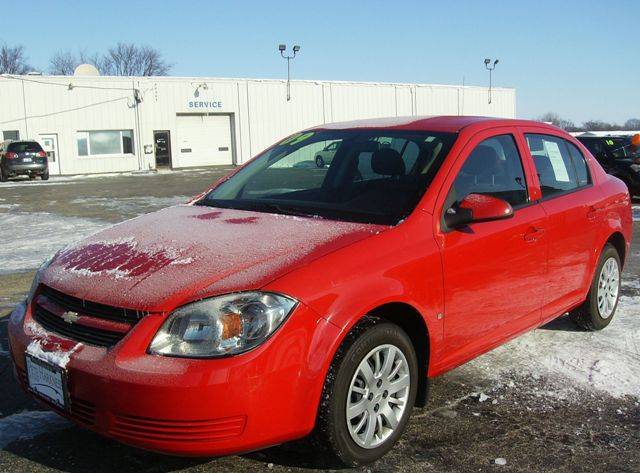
[618, 157]
[22, 158]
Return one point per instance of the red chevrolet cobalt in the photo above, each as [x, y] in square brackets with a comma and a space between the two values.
[294, 298]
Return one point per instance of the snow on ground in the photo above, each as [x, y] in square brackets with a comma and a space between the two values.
[127, 205]
[608, 360]
[62, 180]
[29, 238]
[29, 424]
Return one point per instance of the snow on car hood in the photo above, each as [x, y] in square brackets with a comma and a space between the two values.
[182, 253]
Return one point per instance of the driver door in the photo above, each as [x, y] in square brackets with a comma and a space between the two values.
[494, 272]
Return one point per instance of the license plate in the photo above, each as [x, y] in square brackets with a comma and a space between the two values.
[47, 380]
[27, 160]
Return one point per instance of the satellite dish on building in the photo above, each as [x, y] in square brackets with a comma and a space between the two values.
[86, 70]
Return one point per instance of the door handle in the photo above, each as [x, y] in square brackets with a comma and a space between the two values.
[533, 234]
[593, 212]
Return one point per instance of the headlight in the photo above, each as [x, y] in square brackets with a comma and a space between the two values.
[36, 279]
[220, 326]
[635, 167]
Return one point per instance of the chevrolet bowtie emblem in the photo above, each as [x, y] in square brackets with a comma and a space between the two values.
[70, 317]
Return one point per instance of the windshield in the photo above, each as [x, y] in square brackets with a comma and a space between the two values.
[621, 147]
[24, 147]
[614, 147]
[355, 175]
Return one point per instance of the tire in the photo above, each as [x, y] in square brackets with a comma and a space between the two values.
[319, 162]
[45, 176]
[601, 304]
[3, 176]
[348, 445]
[32, 177]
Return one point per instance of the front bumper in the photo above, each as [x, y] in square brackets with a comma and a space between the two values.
[193, 407]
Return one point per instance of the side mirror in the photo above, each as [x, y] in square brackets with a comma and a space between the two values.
[476, 208]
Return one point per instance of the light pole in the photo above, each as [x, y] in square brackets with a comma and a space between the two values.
[490, 67]
[282, 48]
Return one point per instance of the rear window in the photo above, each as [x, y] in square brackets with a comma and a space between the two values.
[24, 147]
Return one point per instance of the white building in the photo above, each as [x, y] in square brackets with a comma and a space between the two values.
[93, 124]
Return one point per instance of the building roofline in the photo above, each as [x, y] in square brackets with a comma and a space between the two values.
[66, 79]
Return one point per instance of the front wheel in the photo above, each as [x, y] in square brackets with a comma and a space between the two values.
[369, 393]
[319, 162]
[602, 301]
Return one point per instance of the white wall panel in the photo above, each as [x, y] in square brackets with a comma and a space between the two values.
[257, 110]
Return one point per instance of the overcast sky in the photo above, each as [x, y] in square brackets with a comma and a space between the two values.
[580, 59]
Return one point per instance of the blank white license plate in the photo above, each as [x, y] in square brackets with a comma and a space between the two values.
[27, 160]
[47, 380]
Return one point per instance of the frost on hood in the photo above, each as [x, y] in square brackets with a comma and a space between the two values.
[193, 251]
[121, 258]
[55, 351]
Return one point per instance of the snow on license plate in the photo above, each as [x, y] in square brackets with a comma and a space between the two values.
[47, 380]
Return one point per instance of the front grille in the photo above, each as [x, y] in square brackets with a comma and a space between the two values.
[93, 309]
[177, 430]
[76, 331]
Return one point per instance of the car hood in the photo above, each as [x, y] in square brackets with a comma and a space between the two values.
[160, 260]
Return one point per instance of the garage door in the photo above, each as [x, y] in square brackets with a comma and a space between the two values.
[204, 140]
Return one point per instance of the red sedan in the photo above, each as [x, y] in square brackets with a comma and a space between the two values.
[291, 298]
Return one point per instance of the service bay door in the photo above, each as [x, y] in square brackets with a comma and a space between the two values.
[203, 140]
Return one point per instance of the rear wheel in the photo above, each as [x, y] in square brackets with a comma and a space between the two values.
[45, 176]
[600, 307]
[369, 393]
[3, 175]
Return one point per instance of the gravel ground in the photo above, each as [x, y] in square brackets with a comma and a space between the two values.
[509, 410]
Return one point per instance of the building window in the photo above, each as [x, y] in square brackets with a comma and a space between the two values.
[105, 142]
[11, 135]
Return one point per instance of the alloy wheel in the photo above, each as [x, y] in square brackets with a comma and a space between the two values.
[377, 396]
[608, 287]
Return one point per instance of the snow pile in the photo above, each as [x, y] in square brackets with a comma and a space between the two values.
[45, 349]
[29, 238]
[56, 357]
[29, 424]
[608, 360]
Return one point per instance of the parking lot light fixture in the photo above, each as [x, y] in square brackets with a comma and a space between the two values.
[490, 67]
[282, 48]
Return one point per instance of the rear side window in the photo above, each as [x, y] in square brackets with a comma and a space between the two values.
[24, 147]
[555, 168]
[493, 168]
[582, 170]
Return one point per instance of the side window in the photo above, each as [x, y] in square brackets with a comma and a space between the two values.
[493, 168]
[582, 169]
[553, 162]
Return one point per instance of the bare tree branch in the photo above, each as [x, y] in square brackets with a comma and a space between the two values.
[127, 59]
[63, 63]
[13, 60]
[557, 120]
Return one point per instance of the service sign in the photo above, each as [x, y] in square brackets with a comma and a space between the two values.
[206, 104]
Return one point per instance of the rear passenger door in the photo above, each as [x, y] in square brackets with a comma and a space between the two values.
[571, 203]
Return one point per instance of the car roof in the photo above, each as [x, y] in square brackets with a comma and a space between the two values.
[443, 123]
